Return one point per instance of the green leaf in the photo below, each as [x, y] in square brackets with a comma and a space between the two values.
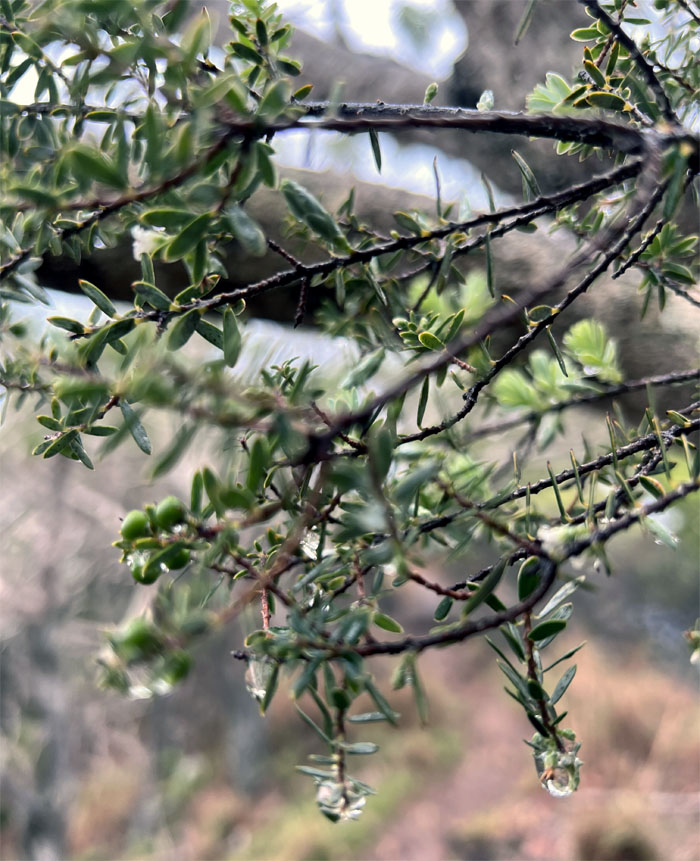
[258, 462]
[406, 489]
[563, 684]
[418, 693]
[152, 295]
[489, 265]
[147, 272]
[101, 430]
[381, 451]
[588, 342]
[290, 67]
[676, 183]
[408, 222]
[50, 423]
[27, 44]
[430, 92]
[608, 101]
[612, 59]
[561, 595]
[183, 329]
[210, 333]
[166, 217]
[367, 717]
[423, 401]
[246, 52]
[564, 657]
[98, 297]
[432, 342]
[276, 99]
[134, 426]
[486, 587]
[247, 231]
[60, 443]
[652, 486]
[188, 238]
[222, 86]
[528, 577]
[363, 748]
[546, 629]
[596, 75]
[87, 162]
[38, 196]
[443, 608]
[172, 454]
[525, 20]
[300, 94]
[81, 454]
[366, 369]
[306, 679]
[585, 34]
[196, 38]
[381, 620]
[307, 209]
[529, 179]
[315, 772]
[270, 689]
[678, 272]
[231, 338]
[266, 166]
[381, 702]
[557, 352]
[660, 533]
[376, 151]
[68, 324]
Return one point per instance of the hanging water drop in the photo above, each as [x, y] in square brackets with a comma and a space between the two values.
[558, 766]
[340, 802]
[257, 678]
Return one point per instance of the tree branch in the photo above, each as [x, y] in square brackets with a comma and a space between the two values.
[639, 58]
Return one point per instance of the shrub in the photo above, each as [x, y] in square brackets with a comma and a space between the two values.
[330, 497]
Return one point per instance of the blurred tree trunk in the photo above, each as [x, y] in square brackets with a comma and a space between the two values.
[490, 61]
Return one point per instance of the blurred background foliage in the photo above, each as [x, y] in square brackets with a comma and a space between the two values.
[197, 774]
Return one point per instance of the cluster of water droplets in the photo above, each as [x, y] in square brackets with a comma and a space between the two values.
[340, 802]
[558, 766]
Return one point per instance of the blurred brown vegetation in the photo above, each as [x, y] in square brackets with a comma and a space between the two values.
[199, 775]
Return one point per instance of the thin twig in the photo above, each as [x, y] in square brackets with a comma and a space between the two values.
[644, 67]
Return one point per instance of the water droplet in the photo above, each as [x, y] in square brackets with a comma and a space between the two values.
[557, 769]
[257, 678]
[140, 692]
[340, 802]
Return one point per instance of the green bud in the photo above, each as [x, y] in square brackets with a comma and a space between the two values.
[134, 525]
[169, 512]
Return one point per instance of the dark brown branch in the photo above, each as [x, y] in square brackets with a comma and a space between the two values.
[674, 378]
[600, 536]
[455, 635]
[642, 247]
[358, 117]
[470, 629]
[645, 443]
[300, 271]
[614, 248]
[678, 291]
